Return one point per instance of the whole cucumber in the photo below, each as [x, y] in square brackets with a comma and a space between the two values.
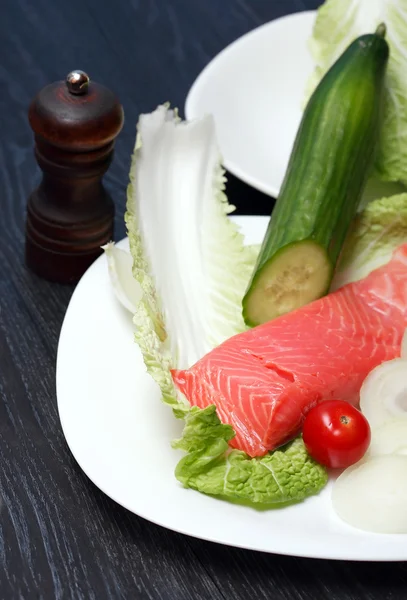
[329, 164]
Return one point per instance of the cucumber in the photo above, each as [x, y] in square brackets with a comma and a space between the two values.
[332, 156]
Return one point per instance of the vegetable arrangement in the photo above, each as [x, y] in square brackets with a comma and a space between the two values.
[265, 380]
[189, 270]
[192, 266]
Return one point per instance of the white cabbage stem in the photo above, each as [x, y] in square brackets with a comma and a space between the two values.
[190, 258]
[127, 290]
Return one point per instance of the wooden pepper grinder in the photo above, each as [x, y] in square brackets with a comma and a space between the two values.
[70, 215]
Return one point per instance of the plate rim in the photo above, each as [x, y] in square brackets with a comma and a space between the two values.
[190, 113]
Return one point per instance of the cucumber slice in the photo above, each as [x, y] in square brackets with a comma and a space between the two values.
[294, 276]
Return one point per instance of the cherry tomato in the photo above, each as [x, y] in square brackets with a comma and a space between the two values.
[336, 434]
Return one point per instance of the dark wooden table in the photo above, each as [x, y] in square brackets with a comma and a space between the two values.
[60, 537]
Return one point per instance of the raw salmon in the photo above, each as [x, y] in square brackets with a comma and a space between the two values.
[264, 381]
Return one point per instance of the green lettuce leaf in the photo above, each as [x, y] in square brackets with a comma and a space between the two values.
[193, 267]
[283, 476]
[337, 24]
[373, 236]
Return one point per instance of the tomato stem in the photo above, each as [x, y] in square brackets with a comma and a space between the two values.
[343, 419]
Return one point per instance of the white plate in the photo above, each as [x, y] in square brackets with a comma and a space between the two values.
[120, 432]
[255, 89]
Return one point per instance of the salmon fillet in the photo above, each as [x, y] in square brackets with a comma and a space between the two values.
[265, 380]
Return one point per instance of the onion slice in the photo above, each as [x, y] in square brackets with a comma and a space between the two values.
[389, 438]
[120, 263]
[372, 495]
[404, 346]
[383, 395]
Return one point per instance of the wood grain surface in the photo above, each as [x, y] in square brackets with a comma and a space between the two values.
[60, 537]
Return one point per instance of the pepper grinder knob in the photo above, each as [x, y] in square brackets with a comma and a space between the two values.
[70, 215]
[77, 82]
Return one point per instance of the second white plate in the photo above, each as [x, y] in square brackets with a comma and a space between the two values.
[255, 90]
